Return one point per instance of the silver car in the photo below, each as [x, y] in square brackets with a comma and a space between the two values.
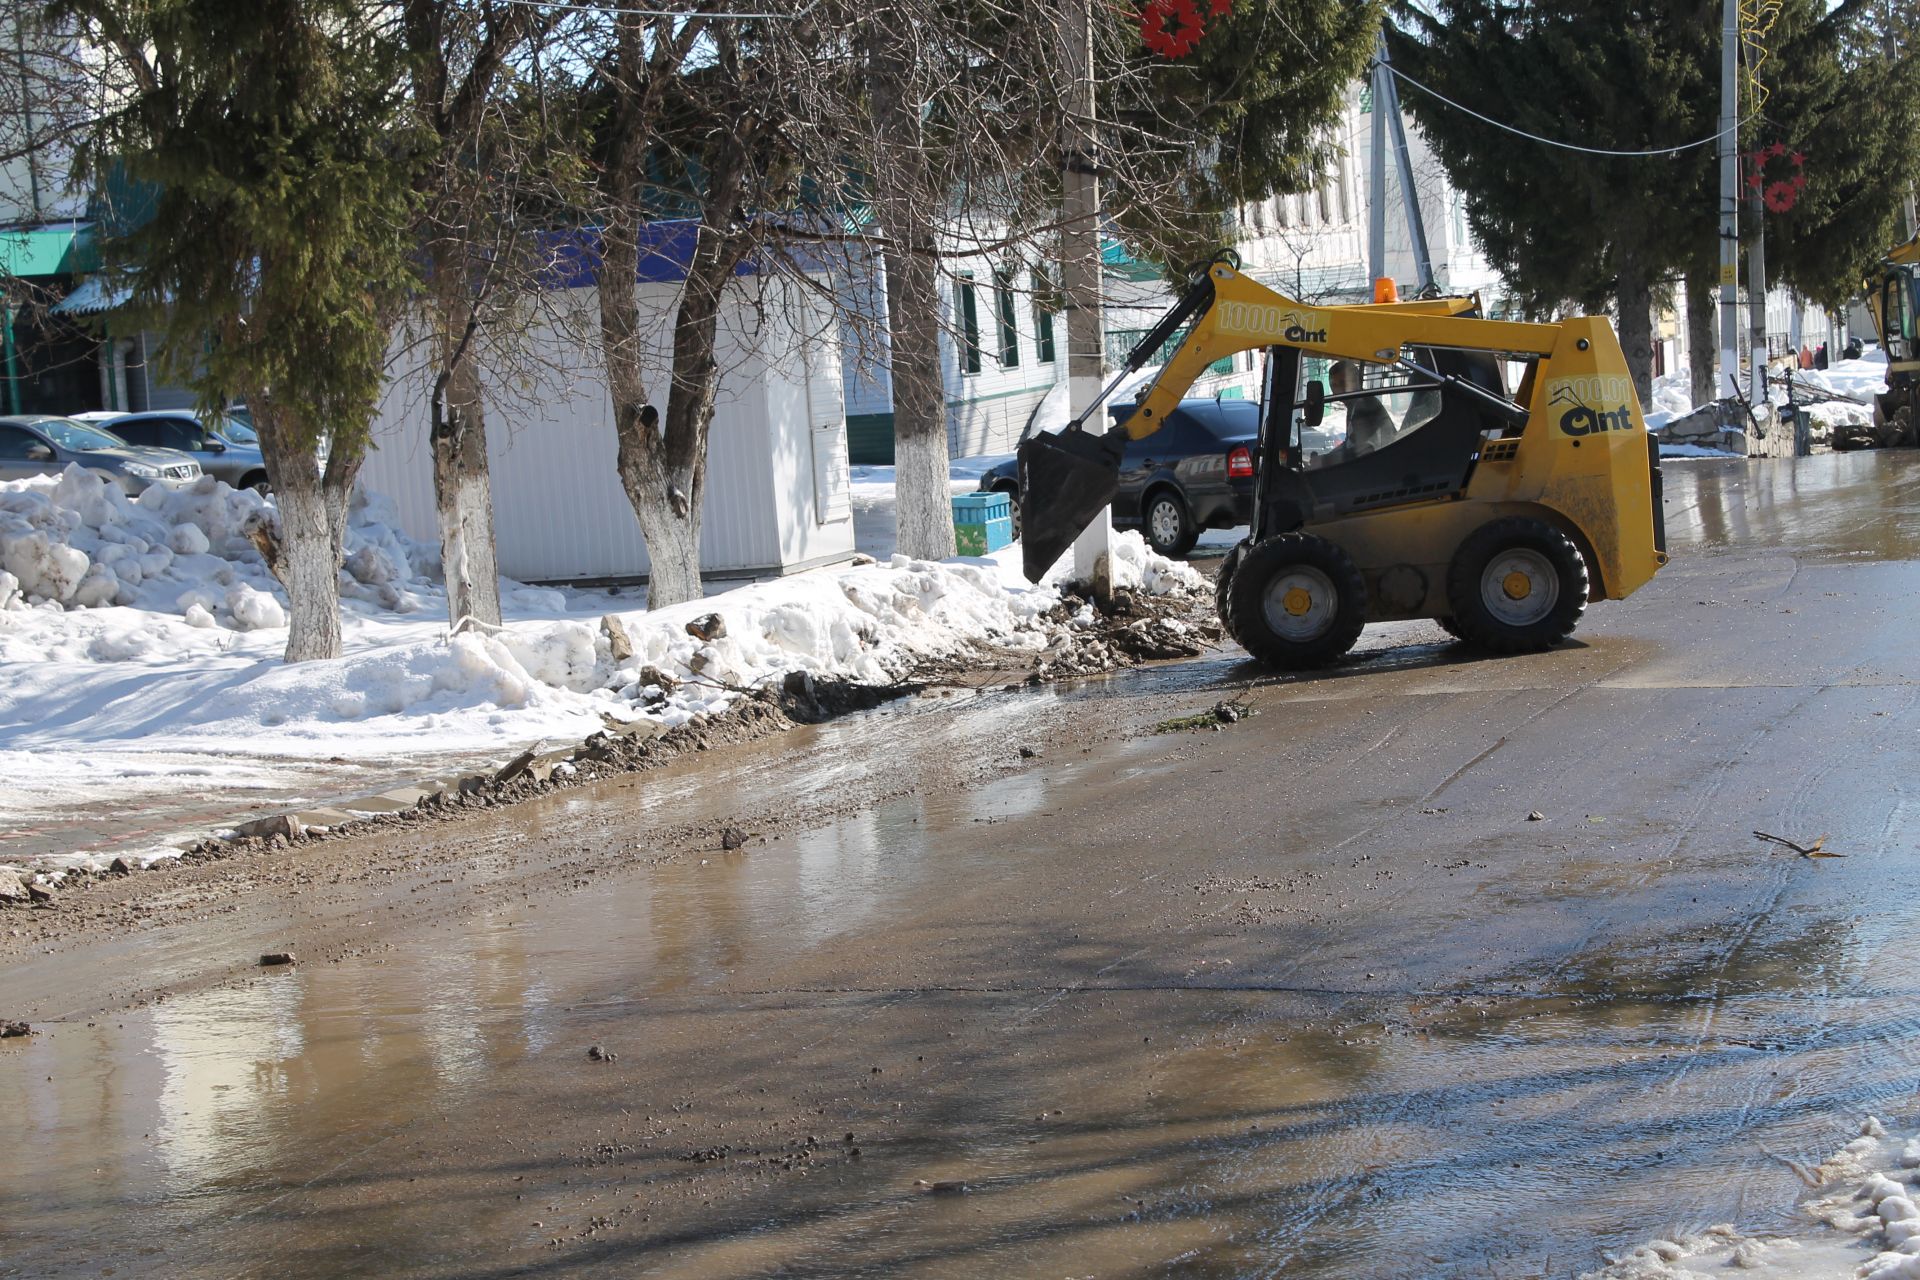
[223, 447]
[39, 445]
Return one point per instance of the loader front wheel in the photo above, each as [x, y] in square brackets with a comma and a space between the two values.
[1516, 586]
[1223, 584]
[1296, 601]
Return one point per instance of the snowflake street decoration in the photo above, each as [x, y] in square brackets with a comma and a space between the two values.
[1778, 193]
[1171, 28]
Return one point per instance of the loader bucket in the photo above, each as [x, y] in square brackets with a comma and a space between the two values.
[1065, 479]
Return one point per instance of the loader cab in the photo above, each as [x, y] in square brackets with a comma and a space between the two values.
[1395, 438]
[1894, 311]
[1893, 303]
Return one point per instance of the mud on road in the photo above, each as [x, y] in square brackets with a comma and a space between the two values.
[1310, 993]
[221, 876]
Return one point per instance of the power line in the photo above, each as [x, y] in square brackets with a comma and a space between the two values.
[1551, 142]
[711, 16]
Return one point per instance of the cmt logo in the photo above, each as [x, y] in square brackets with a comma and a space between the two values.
[1593, 403]
[1289, 324]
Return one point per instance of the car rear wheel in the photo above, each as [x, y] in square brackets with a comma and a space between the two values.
[256, 481]
[1296, 601]
[1013, 496]
[1516, 585]
[1170, 529]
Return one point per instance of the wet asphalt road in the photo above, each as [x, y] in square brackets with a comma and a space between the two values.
[1308, 996]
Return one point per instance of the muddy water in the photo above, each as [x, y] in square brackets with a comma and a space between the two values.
[1307, 997]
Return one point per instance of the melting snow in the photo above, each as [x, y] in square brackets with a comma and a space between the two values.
[142, 641]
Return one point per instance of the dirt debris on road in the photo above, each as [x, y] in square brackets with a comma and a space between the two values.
[1092, 637]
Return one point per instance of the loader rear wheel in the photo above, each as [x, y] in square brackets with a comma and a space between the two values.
[1516, 586]
[1296, 601]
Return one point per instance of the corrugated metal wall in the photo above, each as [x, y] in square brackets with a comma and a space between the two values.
[559, 510]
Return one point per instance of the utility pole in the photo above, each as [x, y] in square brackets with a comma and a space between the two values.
[1377, 168]
[1757, 309]
[1729, 380]
[1386, 117]
[1080, 265]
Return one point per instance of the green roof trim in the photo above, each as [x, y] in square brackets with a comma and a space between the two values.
[48, 251]
[1116, 261]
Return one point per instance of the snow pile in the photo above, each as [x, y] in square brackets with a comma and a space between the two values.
[1866, 1225]
[74, 541]
[1672, 397]
[1857, 380]
[142, 640]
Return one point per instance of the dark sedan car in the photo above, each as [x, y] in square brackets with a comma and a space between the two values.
[44, 445]
[223, 448]
[1194, 473]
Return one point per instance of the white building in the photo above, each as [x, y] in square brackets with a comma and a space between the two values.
[776, 495]
[1002, 349]
[1313, 245]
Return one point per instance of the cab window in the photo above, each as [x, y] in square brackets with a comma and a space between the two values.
[1896, 315]
[1379, 406]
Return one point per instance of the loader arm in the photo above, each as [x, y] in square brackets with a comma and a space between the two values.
[1067, 478]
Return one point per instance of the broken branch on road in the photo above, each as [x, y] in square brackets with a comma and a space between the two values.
[1817, 849]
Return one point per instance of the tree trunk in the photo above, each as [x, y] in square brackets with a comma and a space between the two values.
[462, 484]
[1634, 298]
[663, 465]
[309, 565]
[1703, 297]
[923, 509]
[336, 491]
[665, 472]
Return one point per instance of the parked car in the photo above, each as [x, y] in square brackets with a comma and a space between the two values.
[1194, 473]
[222, 448]
[41, 445]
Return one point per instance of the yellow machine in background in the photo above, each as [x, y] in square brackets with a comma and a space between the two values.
[1893, 297]
[1499, 515]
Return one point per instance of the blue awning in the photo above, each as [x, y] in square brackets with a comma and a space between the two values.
[93, 297]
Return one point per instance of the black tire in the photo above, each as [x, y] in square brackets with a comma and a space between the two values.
[1296, 601]
[1223, 583]
[1516, 585]
[1449, 626]
[257, 481]
[1167, 523]
[1013, 496]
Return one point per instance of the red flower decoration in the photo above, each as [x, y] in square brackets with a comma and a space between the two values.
[1780, 196]
[1777, 150]
[1220, 8]
[1175, 40]
[1755, 181]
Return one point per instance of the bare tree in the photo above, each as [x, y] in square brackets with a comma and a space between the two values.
[483, 146]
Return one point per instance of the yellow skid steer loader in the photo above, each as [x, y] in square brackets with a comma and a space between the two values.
[1498, 515]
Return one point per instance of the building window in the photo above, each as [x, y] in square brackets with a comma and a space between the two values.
[969, 325]
[1043, 305]
[1003, 312]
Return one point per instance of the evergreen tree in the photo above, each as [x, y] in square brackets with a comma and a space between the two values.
[278, 242]
[1843, 102]
[1567, 226]
[1242, 117]
[1563, 225]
